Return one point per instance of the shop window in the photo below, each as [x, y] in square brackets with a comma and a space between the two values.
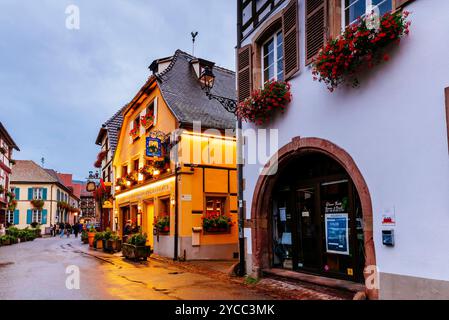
[215, 205]
[354, 9]
[273, 58]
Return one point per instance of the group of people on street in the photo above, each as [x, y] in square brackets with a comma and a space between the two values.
[66, 229]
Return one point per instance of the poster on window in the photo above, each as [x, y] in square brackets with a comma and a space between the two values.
[337, 233]
[154, 148]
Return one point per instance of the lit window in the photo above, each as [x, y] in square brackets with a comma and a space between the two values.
[355, 9]
[215, 205]
[273, 58]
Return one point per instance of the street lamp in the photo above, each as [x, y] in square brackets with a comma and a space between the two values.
[207, 80]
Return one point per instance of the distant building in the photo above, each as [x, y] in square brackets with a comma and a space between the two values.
[7, 145]
[42, 196]
[107, 138]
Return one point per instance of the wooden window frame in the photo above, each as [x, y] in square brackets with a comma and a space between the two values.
[273, 37]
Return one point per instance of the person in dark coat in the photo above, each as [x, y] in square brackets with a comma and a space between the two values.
[61, 229]
[76, 229]
[68, 229]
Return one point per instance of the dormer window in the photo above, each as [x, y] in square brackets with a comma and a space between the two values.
[200, 65]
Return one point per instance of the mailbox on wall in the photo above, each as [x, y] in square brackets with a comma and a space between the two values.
[388, 238]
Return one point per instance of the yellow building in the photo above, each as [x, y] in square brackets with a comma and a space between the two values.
[176, 181]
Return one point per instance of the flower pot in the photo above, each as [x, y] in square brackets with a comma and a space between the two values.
[133, 252]
[99, 244]
[112, 246]
[90, 237]
[6, 242]
[217, 230]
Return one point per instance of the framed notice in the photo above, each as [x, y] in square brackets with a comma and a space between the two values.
[337, 233]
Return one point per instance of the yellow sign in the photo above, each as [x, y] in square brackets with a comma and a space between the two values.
[107, 205]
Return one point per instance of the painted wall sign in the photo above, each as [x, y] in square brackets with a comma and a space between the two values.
[107, 205]
[337, 233]
[389, 217]
[154, 147]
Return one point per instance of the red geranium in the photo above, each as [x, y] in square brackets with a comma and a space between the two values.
[264, 103]
[357, 46]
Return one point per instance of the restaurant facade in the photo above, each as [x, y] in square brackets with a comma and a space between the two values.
[175, 168]
[354, 184]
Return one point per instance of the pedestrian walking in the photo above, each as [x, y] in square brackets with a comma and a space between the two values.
[68, 228]
[54, 230]
[76, 229]
[61, 230]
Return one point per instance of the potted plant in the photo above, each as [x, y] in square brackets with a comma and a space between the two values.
[91, 236]
[133, 177]
[98, 240]
[136, 247]
[7, 240]
[84, 237]
[112, 243]
[162, 223]
[147, 171]
[216, 223]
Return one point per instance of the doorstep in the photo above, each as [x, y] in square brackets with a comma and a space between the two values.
[316, 280]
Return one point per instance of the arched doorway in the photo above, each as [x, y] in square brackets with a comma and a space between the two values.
[314, 214]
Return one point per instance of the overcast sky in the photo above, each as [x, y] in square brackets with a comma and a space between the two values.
[57, 86]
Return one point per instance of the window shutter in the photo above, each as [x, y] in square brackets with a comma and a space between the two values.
[400, 3]
[155, 111]
[30, 193]
[44, 194]
[16, 216]
[290, 29]
[29, 216]
[244, 72]
[44, 216]
[316, 27]
[17, 193]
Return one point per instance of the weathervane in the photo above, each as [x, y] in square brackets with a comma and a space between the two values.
[194, 35]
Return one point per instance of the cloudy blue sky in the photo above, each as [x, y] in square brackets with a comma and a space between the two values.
[57, 86]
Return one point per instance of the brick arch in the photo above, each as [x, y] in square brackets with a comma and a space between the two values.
[261, 202]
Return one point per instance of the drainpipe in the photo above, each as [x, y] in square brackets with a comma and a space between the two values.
[175, 255]
[242, 254]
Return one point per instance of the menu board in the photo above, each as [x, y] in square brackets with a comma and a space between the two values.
[337, 233]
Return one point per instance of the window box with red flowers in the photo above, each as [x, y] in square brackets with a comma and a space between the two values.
[147, 121]
[133, 177]
[37, 204]
[162, 223]
[214, 222]
[121, 182]
[263, 104]
[362, 44]
[134, 133]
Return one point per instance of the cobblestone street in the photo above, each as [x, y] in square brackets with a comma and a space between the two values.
[37, 270]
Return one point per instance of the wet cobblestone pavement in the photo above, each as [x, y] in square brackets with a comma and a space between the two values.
[37, 270]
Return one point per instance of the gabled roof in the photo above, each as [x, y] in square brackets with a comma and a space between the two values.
[7, 137]
[182, 92]
[111, 128]
[29, 171]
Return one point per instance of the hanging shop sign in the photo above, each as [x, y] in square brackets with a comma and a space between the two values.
[154, 147]
[107, 205]
[337, 233]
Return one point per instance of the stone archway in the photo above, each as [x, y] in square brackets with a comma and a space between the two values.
[261, 202]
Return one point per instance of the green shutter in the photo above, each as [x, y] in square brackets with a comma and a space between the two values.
[44, 216]
[29, 216]
[16, 216]
[30, 193]
[17, 193]
[44, 194]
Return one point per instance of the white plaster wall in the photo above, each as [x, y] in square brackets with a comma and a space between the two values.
[394, 127]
